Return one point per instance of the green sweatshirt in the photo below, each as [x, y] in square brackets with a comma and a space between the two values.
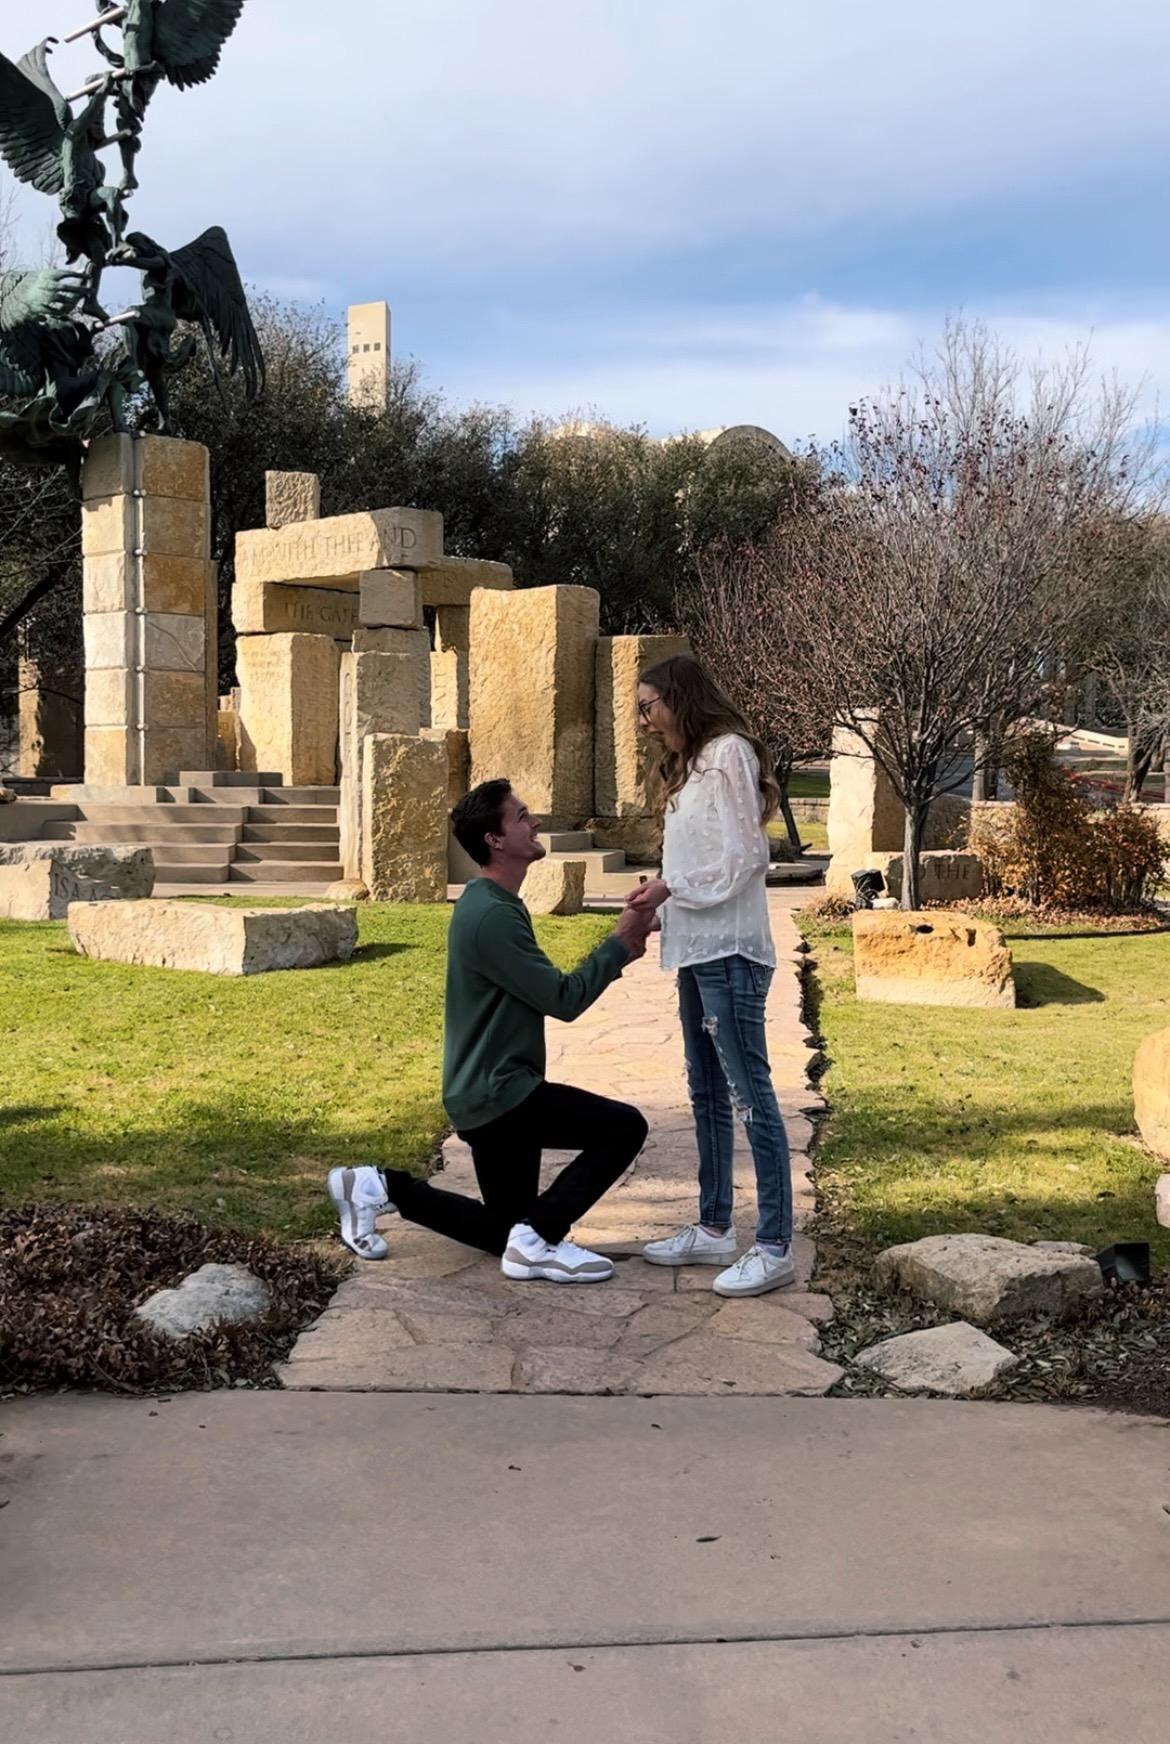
[500, 989]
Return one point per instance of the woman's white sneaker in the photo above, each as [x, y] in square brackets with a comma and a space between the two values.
[360, 1196]
[755, 1273]
[693, 1246]
[529, 1256]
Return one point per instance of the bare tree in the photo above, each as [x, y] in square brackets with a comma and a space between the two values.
[939, 586]
[1128, 641]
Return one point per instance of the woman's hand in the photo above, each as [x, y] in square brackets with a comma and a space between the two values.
[650, 895]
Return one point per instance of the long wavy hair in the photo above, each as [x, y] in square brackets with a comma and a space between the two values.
[702, 712]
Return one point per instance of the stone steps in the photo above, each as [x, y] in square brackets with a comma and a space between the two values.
[145, 833]
[302, 796]
[126, 816]
[183, 873]
[229, 778]
[292, 832]
[290, 814]
[186, 854]
[247, 853]
[572, 842]
[284, 871]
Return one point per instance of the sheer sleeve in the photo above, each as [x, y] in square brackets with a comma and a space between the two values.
[727, 847]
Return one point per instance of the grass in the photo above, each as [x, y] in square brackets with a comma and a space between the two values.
[227, 1098]
[809, 783]
[814, 836]
[1014, 1123]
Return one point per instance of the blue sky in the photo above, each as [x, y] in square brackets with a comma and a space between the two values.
[682, 214]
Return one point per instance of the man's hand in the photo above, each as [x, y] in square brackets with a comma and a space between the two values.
[649, 896]
[632, 927]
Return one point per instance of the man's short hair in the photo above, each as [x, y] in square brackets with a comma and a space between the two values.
[478, 815]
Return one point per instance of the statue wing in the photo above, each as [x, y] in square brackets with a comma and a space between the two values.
[33, 121]
[24, 308]
[209, 290]
[189, 36]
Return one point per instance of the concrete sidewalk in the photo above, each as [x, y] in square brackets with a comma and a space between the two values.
[272, 1566]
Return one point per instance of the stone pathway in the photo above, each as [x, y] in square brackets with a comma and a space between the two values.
[437, 1317]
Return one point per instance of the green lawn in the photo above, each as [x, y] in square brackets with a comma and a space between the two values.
[1014, 1123]
[226, 1098]
[812, 783]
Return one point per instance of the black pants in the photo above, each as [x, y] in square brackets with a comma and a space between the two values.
[506, 1154]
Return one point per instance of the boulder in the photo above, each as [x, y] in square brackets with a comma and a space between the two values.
[1151, 1091]
[347, 890]
[104, 874]
[37, 890]
[555, 887]
[954, 1360]
[213, 939]
[944, 875]
[914, 958]
[987, 1279]
[212, 1295]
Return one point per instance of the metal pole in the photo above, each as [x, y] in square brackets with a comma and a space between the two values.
[114, 17]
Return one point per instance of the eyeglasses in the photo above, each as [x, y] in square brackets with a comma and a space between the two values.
[645, 707]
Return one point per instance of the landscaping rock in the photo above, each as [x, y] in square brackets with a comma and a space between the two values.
[915, 958]
[555, 887]
[1151, 1091]
[105, 874]
[1162, 1201]
[987, 1279]
[348, 890]
[212, 1295]
[211, 939]
[944, 876]
[1065, 1247]
[37, 890]
[954, 1360]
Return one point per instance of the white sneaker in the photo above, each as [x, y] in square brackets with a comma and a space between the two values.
[693, 1246]
[528, 1256]
[359, 1195]
[755, 1273]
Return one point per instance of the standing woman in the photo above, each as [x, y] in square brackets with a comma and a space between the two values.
[715, 934]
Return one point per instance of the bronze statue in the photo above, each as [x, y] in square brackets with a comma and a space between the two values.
[61, 374]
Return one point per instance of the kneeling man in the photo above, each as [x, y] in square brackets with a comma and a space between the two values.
[500, 989]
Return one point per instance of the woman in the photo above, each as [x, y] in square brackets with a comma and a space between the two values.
[715, 933]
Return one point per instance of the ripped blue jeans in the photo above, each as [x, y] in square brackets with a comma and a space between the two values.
[722, 1006]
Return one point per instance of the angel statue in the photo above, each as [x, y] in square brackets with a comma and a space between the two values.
[176, 40]
[201, 284]
[48, 365]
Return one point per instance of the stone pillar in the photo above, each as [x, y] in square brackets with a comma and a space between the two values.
[379, 694]
[449, 667]
[289, 707]
[626, 814]
[404, 810]
[461, 868]
[865, 814]
[531, 713]
[51, 716]
[150, 611]
[390, 621]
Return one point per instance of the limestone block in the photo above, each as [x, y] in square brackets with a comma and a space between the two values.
[175, 527]
[461, 868]
[450, 581]
[111, 641]
[378, 694]
[270, 608]
[1151, 1091]
[108, 524]
[987, 1279]
[453, 629]
[175, 699]
[105, 873]
[449, 689]
[289, 702]
[212, 1296]
[214, 940]
[335, 552]
[555, 887]
[162, 465]
[404, 809]
[943, 875]
[1162, 1200]
[168, 584]
[167, 750]
[111, 756]
[111, 698]
[175, 642]
[531, 709]
[906, 958]
[291, 497]
[51, 717]
[390, 598]
[638, 838]
[227, 728]
[37, 890]
[416, 643]
[865, 814]
[951, 1360]
[624, 754]
[347, 890]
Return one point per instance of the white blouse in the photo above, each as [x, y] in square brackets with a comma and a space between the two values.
[714, 860]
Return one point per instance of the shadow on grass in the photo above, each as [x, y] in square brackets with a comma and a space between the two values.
[29, 1115]
[1040, 984]
[387, 948]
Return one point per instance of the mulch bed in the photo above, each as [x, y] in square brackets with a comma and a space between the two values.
[1114, 1352]
[71, 1276]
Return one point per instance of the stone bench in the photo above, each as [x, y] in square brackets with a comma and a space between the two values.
[908, 958]
[214, 939]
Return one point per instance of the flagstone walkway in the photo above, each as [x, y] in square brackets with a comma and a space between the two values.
[437, 1317]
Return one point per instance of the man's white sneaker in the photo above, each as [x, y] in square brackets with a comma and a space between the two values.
[755, 1273]
[693, 1246]
[528, 1256]
[360, 1195]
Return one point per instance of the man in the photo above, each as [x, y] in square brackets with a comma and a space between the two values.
[500, 989]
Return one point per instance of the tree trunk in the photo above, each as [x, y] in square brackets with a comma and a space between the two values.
[1138, 763]
[912, 854]
[979, 774]
[790, 824]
